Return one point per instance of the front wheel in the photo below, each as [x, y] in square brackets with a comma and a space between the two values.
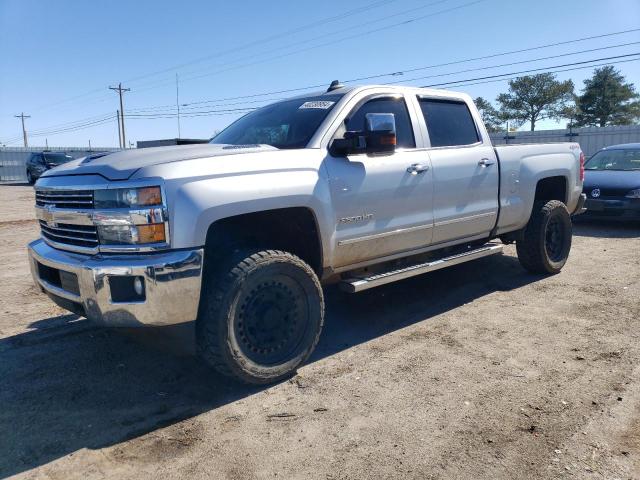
[260, 316]
[30, 179]
[546, 241]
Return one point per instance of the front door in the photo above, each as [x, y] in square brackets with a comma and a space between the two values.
[382, 203]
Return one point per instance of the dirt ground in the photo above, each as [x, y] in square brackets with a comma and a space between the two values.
[479, 371]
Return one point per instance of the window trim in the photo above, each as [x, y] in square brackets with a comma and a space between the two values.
[414, 122]
[446, 99]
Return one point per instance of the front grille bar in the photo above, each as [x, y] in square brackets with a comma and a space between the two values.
[70, 234]
[65, 198]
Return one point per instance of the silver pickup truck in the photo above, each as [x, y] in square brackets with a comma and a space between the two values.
[359, 186]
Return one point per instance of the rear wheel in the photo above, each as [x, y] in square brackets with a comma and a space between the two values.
[261, 315]
[546, 241]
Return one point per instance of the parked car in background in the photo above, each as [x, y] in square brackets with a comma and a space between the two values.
[40, 162]
[612, 183]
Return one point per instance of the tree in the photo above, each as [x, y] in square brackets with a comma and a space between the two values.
[489, 114]
[607, 100]
[533, 98]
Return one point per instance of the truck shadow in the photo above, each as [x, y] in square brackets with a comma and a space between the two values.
[68, 386]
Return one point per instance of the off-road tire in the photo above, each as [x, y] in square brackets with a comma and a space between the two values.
[546, 241]
[243, 297]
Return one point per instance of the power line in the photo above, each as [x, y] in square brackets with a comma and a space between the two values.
[331, 42]
[260, 41]
[79, 124]
[271, 38]
[74, 123]
[453, 82]
[543, 69]
[462, 83]
[514, 63]
[423, 77]
[402, 72]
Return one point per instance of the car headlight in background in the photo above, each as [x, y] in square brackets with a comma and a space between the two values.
[127, 197]
[633, 193]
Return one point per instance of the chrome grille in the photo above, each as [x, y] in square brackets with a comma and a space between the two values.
[65, 198]
[78, 235]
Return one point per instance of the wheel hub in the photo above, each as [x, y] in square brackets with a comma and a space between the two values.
[271, 320]
[554, 240]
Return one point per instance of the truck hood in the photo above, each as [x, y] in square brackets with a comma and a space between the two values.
[122, 165]
[613, 179]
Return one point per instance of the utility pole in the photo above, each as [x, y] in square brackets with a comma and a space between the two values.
[22, 116]
[178, 104]
[119, 132]
[89, 144]
[119, 89]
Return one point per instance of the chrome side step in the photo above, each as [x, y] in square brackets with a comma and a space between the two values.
[353, 285]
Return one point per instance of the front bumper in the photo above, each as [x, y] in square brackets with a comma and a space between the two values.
[614, 208]
[80, 283]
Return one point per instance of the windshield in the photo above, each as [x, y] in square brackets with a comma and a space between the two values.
[57, 158]
[627, 159]
[288, 124]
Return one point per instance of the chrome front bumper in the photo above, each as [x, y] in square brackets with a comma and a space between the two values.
[172, 282]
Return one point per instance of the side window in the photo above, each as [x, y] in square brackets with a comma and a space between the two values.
[397, 106]
[449, 123]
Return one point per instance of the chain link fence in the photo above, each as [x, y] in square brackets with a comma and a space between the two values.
[591, 139]
[13, 160]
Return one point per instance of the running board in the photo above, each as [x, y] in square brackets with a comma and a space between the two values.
[354, 285]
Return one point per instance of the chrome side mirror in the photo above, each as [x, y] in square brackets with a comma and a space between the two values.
[380, 132]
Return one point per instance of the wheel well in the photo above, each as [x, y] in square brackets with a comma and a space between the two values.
[552, 188]
[291, 229]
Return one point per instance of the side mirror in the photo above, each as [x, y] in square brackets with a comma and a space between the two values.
[380, 132]
[379, 137]
[352, 142]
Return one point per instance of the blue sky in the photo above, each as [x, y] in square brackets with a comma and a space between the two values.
[58, 58]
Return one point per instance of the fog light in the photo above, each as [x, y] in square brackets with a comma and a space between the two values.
[137, 286]
[126, 289]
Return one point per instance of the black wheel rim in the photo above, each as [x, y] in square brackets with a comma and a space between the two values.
[555, 240]
[272, 319]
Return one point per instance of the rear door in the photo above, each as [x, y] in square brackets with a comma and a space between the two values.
[465, 171]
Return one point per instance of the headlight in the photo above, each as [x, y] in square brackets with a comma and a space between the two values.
[139, 220]
[131, 234]
[127, 197]
[633, 193]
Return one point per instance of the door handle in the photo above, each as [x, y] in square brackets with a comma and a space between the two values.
[485, 162]
[416, 168]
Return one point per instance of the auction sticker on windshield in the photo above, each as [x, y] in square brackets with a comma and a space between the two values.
[321, 104]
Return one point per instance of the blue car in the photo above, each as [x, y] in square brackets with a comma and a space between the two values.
[612, 183]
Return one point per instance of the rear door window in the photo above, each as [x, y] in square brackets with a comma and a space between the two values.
[449, 123]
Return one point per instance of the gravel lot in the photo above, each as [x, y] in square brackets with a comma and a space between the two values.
[479, 371]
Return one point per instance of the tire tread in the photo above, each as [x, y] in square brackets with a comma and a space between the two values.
[213, 344]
